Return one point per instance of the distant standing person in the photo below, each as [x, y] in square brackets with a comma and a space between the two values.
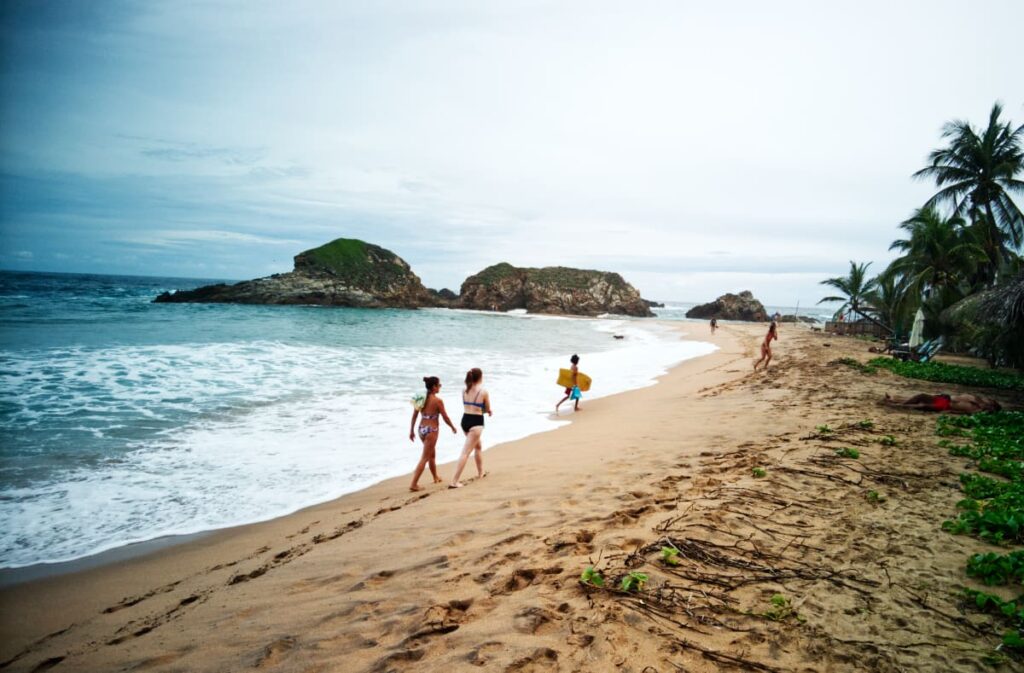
[766, 345]
[573, 391]
[475, 403]
[714, 325]
[432, 409]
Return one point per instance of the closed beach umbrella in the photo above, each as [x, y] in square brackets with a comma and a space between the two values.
[915, 332]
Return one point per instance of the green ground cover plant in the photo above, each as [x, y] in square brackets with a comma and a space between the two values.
[854, 364]
[945, 373]
[634, 581]
[993, 510]
[997, 569]
[781, 609]
[591, 577]
[848, 453]
[759, 472]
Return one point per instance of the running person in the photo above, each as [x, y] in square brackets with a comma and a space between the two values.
[766, 346]
[432, 409]
[573, 391]
[475, 403]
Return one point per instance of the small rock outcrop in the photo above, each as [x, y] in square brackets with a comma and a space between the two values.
[443, 298]
[740, 306]
[344, 272]
[789, 317]
[654, 304]
[553, 289]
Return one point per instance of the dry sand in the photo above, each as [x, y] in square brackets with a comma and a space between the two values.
[486, 577]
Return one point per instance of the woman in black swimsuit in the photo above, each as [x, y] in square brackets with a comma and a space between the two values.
[433, 407]
[475, 403]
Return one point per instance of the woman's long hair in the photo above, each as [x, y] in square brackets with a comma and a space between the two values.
[473, 377]
[430, 382]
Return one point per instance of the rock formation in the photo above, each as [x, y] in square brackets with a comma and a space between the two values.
[443, 298]
[344, 272]
[554, 289]
[740, 306]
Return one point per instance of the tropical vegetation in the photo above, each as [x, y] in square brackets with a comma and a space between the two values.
[959, 257]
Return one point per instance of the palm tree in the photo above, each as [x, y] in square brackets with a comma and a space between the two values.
[940, 253]
[893, 299]
[978, 169]
[855, 289]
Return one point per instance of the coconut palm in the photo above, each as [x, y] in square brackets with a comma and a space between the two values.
[893, 300]
[940, 253]
[855, 288]
[978, 169]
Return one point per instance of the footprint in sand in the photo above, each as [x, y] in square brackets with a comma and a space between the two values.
[274, 653]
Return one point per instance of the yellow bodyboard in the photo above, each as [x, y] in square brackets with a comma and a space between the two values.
[565, 379]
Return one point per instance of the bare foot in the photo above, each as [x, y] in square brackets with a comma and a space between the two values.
[415, 488]
[438, 480]
[482, 475]
[457, 484]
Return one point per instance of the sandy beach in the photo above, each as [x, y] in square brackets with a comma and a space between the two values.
[487, 577]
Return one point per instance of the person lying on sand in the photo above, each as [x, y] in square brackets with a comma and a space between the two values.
[433, 407]
[961, 404]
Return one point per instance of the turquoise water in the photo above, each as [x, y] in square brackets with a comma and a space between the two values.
[124, 420]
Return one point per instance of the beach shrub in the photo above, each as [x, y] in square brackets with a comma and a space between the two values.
[945, 373]
[874, 497]
[888, 440]
[848, 453]
[866, 424]
[759, 472]
[824, 430]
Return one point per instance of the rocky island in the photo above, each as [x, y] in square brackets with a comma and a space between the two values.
[729, 306]
[350, 272]
[344, 272]
[553, 289]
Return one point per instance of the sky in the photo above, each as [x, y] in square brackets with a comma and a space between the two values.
[695, 148]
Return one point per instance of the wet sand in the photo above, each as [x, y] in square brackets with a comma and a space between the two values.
[487, 577]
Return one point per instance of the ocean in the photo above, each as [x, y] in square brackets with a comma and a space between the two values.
[124, 421]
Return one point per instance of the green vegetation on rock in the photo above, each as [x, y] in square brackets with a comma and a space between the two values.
[355, 261]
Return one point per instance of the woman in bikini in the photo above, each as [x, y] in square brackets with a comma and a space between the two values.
[766, 345]
[475, 403]
[432, 409]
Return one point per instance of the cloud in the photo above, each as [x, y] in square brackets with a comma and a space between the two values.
[681, 144]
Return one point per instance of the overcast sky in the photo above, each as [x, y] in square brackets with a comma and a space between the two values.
[696, 148]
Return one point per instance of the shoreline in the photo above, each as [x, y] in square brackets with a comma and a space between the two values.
[14, 576]
[792, 554]
[95, 590]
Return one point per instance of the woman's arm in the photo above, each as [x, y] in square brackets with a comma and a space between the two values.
[412, 425]
[487, 403]
[444, 415]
